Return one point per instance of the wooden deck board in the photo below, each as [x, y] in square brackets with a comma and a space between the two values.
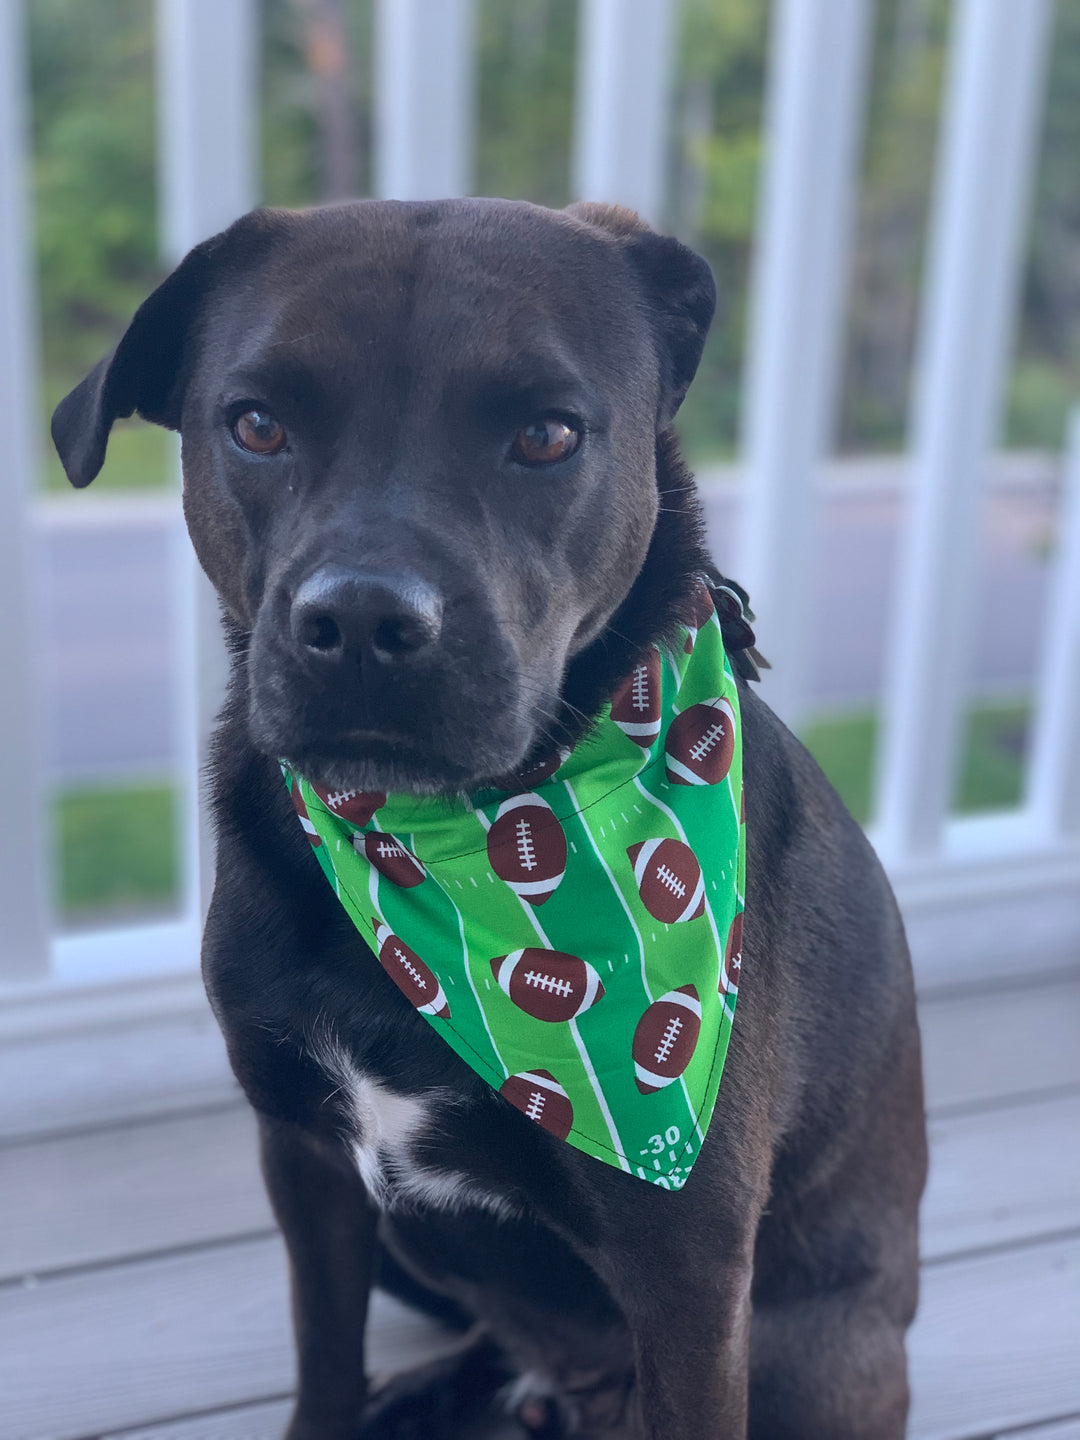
[155, 1339]
[1060, 1430]
[994, 1347]
[102, 1076]
[998, 1176]
[979, 1048]
[108, 1195]
[996, 1341]
[140, 1338]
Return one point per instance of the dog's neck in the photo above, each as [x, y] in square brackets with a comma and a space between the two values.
[659, 601]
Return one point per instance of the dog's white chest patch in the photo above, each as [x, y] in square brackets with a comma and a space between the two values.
[383, 1126]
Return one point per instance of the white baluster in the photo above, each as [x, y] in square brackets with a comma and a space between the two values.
[24, 938]
[1054, 777]
[986, 161]
[424, 57]
[207, 119]
[623, 103]
[818, 60]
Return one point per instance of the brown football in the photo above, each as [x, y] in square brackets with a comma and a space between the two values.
[547, 984]
[700, 743]
[526, 847]
[635, 706]
[729, 975]
[702, 609]
[669, 880]
[355, 806]
[537, 1094]
[666, 1038]
[390, 858]
[413, 978]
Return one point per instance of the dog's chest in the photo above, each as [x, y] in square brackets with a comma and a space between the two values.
[383, 1128]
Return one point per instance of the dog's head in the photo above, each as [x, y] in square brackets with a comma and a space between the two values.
[420, 464]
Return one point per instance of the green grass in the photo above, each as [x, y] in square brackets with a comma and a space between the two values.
[118, 852]
[991, 772]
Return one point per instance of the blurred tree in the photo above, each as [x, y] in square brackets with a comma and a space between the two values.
[92, 76]
[716, 154]
[893, 209]
[526, 73]
[93, 130]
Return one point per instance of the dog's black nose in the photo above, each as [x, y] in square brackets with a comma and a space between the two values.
[339, 613]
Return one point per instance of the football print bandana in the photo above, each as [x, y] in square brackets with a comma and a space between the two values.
[578, 944]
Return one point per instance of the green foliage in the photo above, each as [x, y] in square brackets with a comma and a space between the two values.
[92, 76]
[117, 850]
[525, 99]
[713, 197]
[92, 68]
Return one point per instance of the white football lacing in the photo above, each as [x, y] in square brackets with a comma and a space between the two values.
[339, 797]
[410, 969]
[671, 880]
[535, 1107]
[549, 984]
[525, 848]
[671, 1034]
[639, 690]
[708, 740]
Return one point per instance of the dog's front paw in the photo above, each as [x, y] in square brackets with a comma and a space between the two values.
[435, 1401]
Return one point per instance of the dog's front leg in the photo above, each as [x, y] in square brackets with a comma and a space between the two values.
[691, 1340]
[688, 1311]
[329, 1229]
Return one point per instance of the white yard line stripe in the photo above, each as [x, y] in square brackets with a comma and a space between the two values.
[617, 1144]
[615, 887]
[472, 987]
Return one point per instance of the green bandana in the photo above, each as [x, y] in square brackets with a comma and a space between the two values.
[579, 943]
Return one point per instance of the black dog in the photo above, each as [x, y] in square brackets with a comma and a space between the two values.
[428, 465]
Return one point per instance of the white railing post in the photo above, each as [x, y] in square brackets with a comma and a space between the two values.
[818, 62]
[207, 129]
[24, 929]
[1054, 774]
[985, 163]
[623, 103]
[424, 59]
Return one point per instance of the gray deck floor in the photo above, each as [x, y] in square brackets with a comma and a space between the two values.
[143, 1292]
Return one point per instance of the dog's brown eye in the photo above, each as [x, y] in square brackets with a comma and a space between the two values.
[544, 441]
[259, 432]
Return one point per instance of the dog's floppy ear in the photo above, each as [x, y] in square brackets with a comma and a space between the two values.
[680, 286]
[142, 374]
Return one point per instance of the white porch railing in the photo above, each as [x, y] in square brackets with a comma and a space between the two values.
[985, 896]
